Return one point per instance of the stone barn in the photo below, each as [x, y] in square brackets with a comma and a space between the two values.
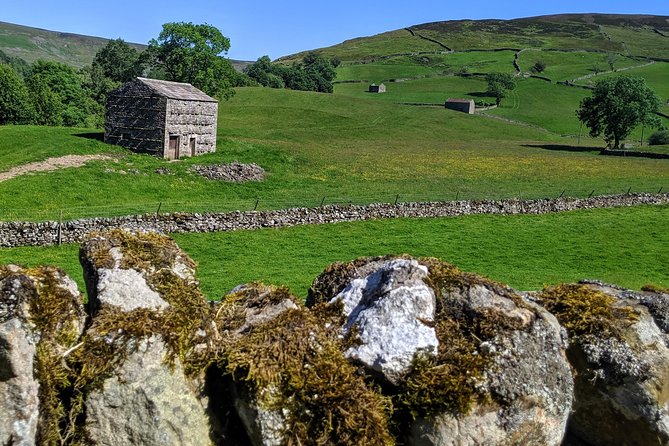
[463, 105]
[171, 120]
[381, 88]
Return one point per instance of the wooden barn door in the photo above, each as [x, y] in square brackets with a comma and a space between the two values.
[173, 148]
[191, 143]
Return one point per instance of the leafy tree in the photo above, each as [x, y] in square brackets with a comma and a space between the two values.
[616, 106]
[539, 66]
[611, 60]
[118, 61]
[19, 65]
[77, 108]
[499, 84]
[313, 73]
[320, 70]
[659, 138]
[47, 105]
[15, 106]
[191, 53]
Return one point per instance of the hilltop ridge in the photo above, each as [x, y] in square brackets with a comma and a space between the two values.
[632, 35]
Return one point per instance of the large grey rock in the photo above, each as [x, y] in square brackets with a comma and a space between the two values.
[118, 267]
[38, 308]
[622, 374]
[145, 398]
[146, 402]
[19, 405]
[253, 306]
[472, 362]
[127, 289]
[288, 380]
[393, 312]
[526, 384]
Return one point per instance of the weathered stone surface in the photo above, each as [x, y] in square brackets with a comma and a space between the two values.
[234, 172]
[526, 381]
[292, 384]
[118, 267]
[494, 369]
[144, 284]
[393, 311]
[127, 289]
[19, 405]
[622, 374]
[39, 308]
[146, 402]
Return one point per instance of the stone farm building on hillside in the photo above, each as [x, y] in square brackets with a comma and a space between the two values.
[381, 88]
[168, 119]
[463, 105]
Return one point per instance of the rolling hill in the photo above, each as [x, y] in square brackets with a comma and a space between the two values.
[629, 35]
[31, 44]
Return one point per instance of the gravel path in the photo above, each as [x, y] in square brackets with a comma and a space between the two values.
[50, 164]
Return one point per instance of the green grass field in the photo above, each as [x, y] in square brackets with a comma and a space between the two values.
[343, 148]
[561, 65]
[429, 90]
[426, 65]
[549, 106]
[623, 246]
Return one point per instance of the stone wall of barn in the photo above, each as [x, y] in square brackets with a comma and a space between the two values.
[135, 118]
[190, 120]
[465, 107]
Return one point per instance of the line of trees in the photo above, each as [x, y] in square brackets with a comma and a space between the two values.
[314, 73]
[52, 93]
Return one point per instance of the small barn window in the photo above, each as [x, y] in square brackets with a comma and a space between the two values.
[191, 145]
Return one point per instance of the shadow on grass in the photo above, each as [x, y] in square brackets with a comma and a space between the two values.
[479, 94]
[564, 147]
[98, 136]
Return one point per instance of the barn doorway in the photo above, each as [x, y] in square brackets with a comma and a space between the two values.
[191, 145]
[173, 148]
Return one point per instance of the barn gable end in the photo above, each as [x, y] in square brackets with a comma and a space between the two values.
[167, 119]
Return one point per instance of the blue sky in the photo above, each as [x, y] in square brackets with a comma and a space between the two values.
[278, 28]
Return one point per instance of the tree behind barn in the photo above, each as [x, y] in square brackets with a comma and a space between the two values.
[191, 53]
[617, 106]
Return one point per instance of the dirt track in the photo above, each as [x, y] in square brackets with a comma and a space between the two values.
[50, 164]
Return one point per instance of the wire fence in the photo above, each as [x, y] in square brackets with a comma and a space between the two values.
[68, 213]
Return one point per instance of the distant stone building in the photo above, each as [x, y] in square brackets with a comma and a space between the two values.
[381, 88]
[463, 105]
[168, 119]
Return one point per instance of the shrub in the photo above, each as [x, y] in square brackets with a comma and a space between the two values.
[659, 138]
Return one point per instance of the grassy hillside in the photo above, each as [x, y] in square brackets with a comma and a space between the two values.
[629, 35]
[525, 251]
[31, 44]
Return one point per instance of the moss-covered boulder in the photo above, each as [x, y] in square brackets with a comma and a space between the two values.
[145, 352]
[618, 348]
[41, 320]
[288, 382]
[498, 374]
[121, 268]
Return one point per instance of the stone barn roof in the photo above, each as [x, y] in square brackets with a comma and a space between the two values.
[176, 90]
[460, 101]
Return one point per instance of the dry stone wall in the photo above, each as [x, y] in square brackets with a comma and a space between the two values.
[13, 234]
